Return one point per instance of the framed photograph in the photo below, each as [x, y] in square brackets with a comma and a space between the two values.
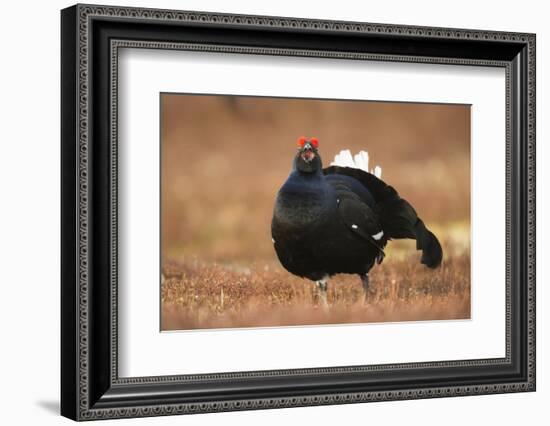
[263, 212]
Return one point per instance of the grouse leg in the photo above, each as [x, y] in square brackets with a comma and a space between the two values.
[322, 286]
[365, 281]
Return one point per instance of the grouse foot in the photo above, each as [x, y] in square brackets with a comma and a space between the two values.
[322, 286]
[365, 281]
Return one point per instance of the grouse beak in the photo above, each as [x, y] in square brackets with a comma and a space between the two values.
[307, 153]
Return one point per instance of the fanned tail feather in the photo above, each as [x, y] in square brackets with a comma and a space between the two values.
[362, 160]
[358, 161]
[400, 220]
[432, 253]
[398, 217]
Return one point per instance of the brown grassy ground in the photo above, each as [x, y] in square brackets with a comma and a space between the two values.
[197, 294]
[223, 161]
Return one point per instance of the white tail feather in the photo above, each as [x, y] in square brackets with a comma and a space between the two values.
[344, 159]
[359, 161]
[362, 160]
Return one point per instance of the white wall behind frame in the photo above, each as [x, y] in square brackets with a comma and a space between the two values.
[29, 218]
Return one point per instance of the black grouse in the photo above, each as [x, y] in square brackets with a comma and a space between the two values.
[339, 219]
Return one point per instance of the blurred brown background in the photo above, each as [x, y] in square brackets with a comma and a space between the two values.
[225, 157]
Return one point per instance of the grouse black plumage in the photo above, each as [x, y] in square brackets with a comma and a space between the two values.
[339, 219]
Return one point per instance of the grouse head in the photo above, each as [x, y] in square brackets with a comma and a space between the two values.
[307, 159]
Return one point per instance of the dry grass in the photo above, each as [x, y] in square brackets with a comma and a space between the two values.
[207, 295]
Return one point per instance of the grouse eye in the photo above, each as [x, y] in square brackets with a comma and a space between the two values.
[301, 141]
[314, 142]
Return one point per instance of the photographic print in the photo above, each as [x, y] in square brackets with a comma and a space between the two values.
[289, 211]
[266, 185]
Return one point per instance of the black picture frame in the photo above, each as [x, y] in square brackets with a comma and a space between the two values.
[90, 386]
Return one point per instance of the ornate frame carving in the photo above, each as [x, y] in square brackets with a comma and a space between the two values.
[84, 396]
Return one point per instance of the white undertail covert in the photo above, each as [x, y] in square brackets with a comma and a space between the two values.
[358, 161]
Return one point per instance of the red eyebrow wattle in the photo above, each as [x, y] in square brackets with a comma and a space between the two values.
[313, 141]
